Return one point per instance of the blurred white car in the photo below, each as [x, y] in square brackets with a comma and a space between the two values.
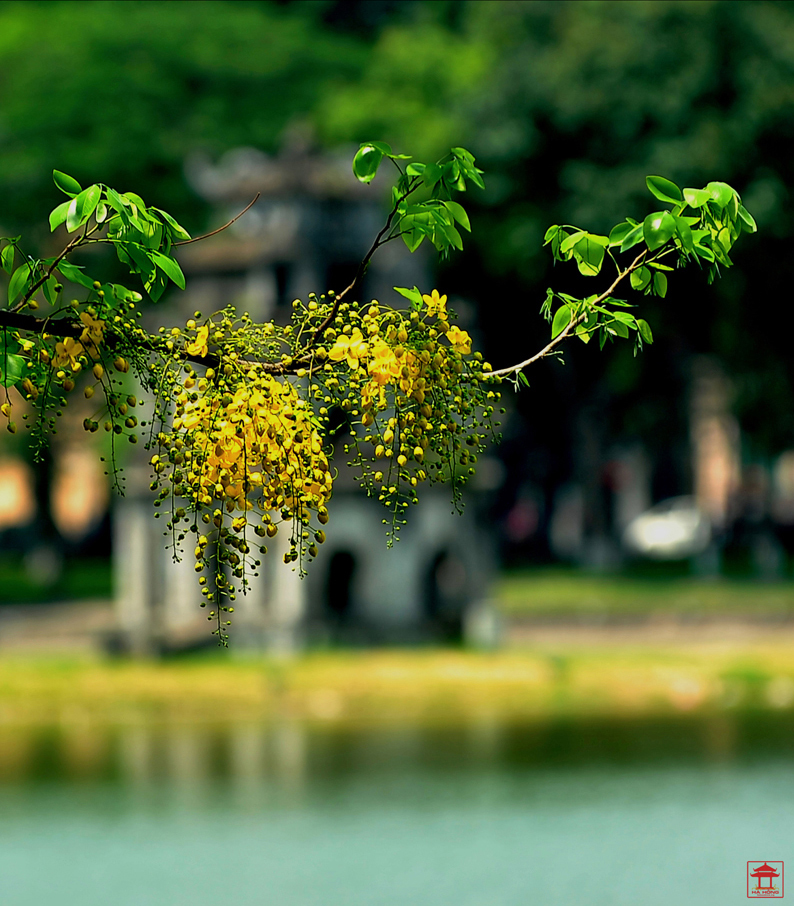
[672, 530]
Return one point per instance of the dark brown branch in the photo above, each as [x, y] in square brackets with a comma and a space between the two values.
[64, 327]
[225, 226]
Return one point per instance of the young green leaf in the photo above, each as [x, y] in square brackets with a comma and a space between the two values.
[414, 296]
[633, 238]
[645, 330]
[660, 284]
[459, 213]
[7, 259]
[170, 267]
[67, 184]
[657, 229]
[58, 215]
[176, 228]
[684, 232]
[12, 369]
[82, 206]
[384, 148]
[696, 198]
[413, 239]
[570, 241]
[747, 219]
[663, 189]
[589, 254]
[48, 288]
[366, 162]
[75, 274]
[18, 283]
[640, 278]
[619, 329]
[720, 193]
[619, 233]
[431, 175]
[561, 320]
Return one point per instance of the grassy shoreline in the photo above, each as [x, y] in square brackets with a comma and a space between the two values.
[426, 686]
[562, 593]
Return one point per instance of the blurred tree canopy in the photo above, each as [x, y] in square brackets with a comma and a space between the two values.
[567, 106]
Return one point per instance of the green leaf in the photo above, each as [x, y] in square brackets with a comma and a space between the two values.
[570, 241]
[545, 308]
[645, 330]
[413, 239]
[633, 238]
[384, 149]
[366, 163]
[660, 284]
[414, 296]
[625, 318]
[67, 184]
[431, 175]
[720, 193]
[12, 369]
[583, 333]
[101, 212]
[658, 228]
[48, 287]
[137, 202]
[417, 168]
[170, 267]
[640, 278]
[459, 213]
[704, 251]
[696, 198]
[75, 274]
[82, 206]
[7, 259]
[18, 282]
[684, 234]
[177, 229]
[523, 378]
[123, 294]
[618, 329]
[589, 254]
[58, 215]
[619, 233]
[551, 234]
[561, 320]
[747, 219]
[663, 189]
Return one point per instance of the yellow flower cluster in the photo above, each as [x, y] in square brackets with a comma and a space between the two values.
[69, 350]
[389, 362]
[256, 446]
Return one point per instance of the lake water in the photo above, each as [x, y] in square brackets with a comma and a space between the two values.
[647, 812]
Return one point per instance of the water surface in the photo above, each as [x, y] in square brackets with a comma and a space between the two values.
[651, 812]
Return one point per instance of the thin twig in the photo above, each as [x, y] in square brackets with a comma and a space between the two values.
[225, 226]
[572, 325]
[362, 268]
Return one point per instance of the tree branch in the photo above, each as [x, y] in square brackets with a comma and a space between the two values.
[573, 324]
[225, 226]
[364, 264]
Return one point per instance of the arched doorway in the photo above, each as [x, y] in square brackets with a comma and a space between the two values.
[446, 595]
[338, 604]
